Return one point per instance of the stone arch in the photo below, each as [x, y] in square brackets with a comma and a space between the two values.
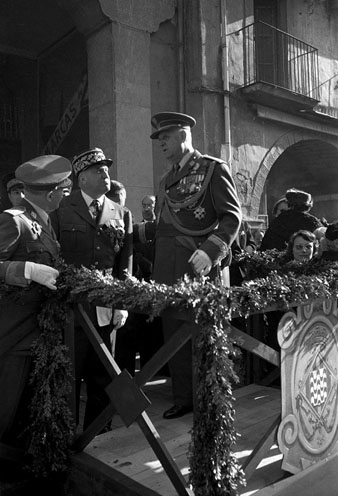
[279, 146]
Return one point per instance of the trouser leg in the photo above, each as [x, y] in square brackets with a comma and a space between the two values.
[180, 365]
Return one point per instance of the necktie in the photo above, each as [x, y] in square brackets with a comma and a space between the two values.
[94, 208]
[176, 168]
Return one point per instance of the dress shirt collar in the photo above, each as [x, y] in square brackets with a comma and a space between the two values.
[88, 199]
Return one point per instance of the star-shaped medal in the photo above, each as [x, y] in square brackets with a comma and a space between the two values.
[199, 213]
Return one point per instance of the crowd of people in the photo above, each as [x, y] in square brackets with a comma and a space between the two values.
[193, 226]
[297, 233]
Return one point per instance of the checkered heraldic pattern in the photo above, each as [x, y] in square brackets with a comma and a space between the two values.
[318, 386]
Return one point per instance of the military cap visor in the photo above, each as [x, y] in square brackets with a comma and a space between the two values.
[46, 172]
[168, 120]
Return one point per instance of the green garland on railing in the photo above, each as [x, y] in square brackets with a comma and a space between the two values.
[51, 425]
[214, 469]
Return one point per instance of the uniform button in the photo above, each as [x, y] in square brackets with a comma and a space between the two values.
[73, 228]
[98, 247]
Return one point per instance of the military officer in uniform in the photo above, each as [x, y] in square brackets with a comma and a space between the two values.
[198, 217]
[14, 189]
[94, 232]
[28, 251]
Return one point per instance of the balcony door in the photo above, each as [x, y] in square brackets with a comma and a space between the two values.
[270, 43]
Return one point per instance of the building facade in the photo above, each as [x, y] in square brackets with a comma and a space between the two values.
[260, 77]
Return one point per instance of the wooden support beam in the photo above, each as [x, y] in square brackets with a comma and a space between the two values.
[142, 420]
[168, 350]
[181, 336]
[261, 449]
[254, 346]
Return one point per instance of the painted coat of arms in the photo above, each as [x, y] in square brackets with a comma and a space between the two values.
[309, 351]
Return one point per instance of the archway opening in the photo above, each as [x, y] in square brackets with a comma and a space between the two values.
[310, 165]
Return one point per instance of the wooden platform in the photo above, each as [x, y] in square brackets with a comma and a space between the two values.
[127, 451]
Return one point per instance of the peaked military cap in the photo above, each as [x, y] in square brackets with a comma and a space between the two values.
[14, 184]
[298, 197]
[88, 158]
[167, 120]
[10, 182]
[45, 172]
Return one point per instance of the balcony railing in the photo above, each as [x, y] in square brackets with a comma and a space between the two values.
[276, 58]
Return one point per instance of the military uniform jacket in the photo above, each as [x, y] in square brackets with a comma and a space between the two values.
[23, 237]
[196, 208]
[106, 244]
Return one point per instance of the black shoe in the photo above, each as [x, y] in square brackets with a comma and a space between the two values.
[177, 411]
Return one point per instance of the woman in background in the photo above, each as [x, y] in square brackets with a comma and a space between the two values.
[302, 246]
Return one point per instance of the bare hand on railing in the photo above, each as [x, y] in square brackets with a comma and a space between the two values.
[201, 262]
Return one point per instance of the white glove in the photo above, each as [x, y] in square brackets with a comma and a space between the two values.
[201, 262]
[103, 315]
[119, 319]
[43, 274]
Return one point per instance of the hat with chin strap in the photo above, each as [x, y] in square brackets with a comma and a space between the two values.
[169, 120]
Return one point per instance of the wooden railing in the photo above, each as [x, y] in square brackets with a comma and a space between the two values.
[308, 342]
[132, 405]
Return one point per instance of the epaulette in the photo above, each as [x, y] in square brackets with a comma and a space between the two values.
[15, 211]
[214, 159]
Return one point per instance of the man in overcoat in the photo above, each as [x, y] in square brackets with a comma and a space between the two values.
[198, 217]
[28, 251]
[96, 233]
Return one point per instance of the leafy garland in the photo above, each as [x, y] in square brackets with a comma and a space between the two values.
[51, 425]
[214, 469]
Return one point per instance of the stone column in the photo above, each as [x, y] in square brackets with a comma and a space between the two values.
[203, 73]
[118, 42]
